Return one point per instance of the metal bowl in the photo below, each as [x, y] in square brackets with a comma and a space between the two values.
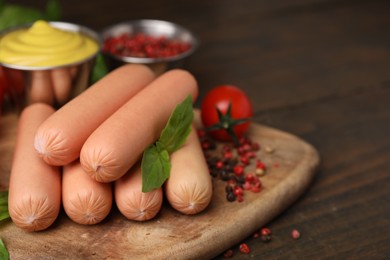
[155, 28]
[20, 79]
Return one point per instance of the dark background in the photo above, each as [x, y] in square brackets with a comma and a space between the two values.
[319, 69]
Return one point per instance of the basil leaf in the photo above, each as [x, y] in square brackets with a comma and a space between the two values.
[155, 168]
[178, 127]
[53, 10]
[4, 205]
[99, 69]
[3, 251]
[13, 15]
[155, 161]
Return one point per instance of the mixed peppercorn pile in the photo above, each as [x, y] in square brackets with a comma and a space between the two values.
[229, 163]
[144, 46]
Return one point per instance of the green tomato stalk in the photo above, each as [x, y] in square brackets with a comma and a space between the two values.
[227, 123]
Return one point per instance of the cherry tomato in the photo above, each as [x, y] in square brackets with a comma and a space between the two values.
[225, 125]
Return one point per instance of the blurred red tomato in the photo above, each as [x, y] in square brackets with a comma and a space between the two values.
[226, 111]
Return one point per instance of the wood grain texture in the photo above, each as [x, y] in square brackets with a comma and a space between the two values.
[172, 235]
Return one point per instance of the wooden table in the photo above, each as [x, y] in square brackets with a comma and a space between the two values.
[319, 69]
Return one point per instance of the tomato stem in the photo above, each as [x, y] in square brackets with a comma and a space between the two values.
[227, 122]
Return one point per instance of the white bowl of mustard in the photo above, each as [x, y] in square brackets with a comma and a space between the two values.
[47, 62]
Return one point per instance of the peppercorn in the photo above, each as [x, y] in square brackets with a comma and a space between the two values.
[219, 164]
[246, 147]
[142, 45]
[240, 150]
[237, 190]
[224, 175]
[255, 189]
[231, 163]
[244, 248]
[231, 197]
[295, 234]
[247, 185]
[250, 154]
[249, 177]
[265, 231]
[238, 170]
[259, 172]
[269, 149]
[260, 165]
[244, 159]
[228, 253]
[227, 155]
[255, 147]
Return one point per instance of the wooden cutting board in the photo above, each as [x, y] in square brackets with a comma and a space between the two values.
[171, 235]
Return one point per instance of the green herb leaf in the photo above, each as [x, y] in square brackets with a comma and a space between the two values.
[3, 251]
[14, 15]
[2, 4]
[4, 205]
[99, 69]
[155, 168]
[178, 127]
[156, 164]
[53, 10]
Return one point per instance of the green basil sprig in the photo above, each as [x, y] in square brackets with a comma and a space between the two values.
[155, 164]
[3, 215]
[3, 251]
[4, 205]
[13, 15]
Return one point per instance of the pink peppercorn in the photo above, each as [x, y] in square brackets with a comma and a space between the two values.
[295, 234]
[227, 155]
[244, 248]
[247, 147]
[244, 159]
[249, 177]
[219, 164]
[260, 165]
[238, 170]
[247, 185]
[238, 191]
[255, 189]
[206, 145]
[250, 154]
[226, 148]
[255, 147]
[265, 231]
[201, 133]
[228, 253]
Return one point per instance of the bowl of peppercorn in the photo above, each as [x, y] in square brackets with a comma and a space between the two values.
[159, 44]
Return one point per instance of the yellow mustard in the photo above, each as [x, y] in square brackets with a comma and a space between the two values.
[45, 45]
